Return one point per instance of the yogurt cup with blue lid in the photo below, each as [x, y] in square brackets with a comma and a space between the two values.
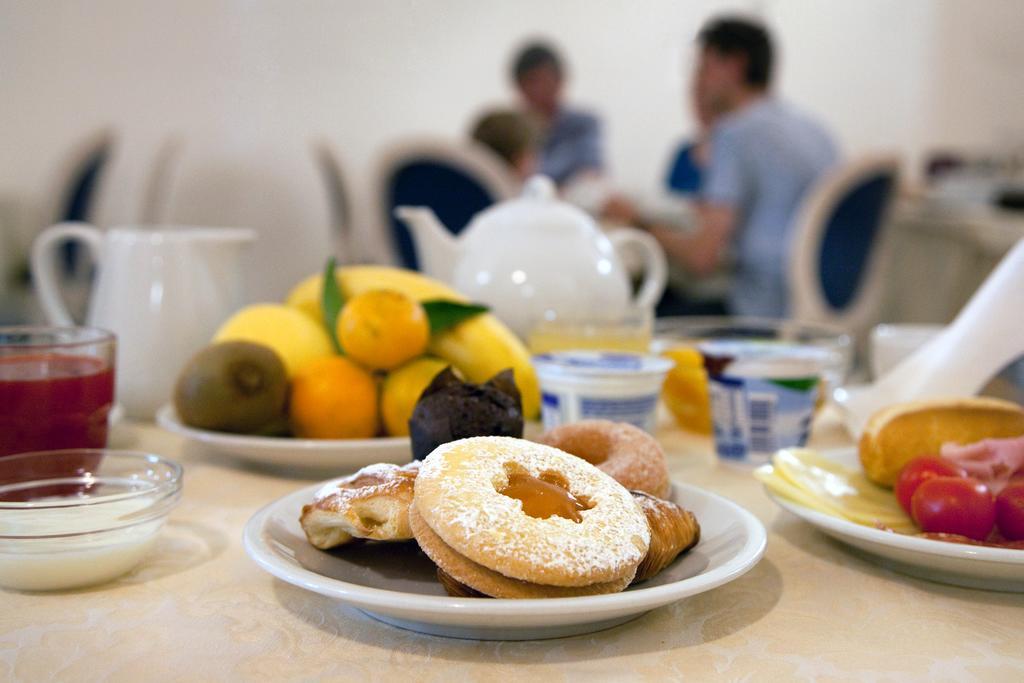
[763, 396]
[592, 385]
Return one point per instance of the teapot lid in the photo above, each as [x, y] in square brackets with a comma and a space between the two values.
[539, 206]
[540, 187]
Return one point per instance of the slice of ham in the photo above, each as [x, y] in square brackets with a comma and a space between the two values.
[992, 461]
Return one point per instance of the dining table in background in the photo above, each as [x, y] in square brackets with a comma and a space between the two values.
[942, 250]
[199, 609]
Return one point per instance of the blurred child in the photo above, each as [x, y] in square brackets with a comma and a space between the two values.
[512, 136]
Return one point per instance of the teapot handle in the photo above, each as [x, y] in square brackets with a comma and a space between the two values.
[655, 266]
[44, 270]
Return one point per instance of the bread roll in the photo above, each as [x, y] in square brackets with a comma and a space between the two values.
[904, 431]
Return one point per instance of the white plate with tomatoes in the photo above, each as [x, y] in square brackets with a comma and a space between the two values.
[972, 566]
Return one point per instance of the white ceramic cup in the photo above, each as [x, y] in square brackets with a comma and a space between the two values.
[163, 291]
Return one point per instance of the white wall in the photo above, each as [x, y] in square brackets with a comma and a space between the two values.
[248, 84]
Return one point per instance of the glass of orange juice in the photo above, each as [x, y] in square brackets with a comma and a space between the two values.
[629, 332]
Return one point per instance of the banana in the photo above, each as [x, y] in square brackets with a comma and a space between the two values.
[479, 347]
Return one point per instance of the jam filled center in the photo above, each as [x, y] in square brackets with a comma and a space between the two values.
[544, 497]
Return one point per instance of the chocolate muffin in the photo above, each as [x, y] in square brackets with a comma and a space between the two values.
[450, 409]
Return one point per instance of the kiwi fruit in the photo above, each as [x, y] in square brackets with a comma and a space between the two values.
[232, 386]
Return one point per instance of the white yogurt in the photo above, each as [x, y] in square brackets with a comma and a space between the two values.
[589, 385]
[55, 549]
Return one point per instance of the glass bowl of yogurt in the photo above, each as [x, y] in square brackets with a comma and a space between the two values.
[75, 518]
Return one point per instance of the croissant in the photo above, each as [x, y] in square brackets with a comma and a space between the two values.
[674, 530]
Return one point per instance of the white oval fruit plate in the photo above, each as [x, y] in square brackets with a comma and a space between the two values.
[278, 451]
[998, 569]
[396, 583]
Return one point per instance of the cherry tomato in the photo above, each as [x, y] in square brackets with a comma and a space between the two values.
[954, 505]
[1010, 511]
[921, 469]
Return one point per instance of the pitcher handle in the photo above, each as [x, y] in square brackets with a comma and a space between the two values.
[44, 265]
[655, 266]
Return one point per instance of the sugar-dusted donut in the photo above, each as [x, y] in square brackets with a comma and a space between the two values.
[475, 495]
[628, 454]
[674, 530]
[463, 578]
[373, 503]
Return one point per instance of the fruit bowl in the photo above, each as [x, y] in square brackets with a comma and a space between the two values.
[336, 455]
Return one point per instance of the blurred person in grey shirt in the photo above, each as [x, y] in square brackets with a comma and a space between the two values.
[764, 157]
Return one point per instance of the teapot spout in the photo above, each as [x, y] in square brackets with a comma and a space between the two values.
[438, 250]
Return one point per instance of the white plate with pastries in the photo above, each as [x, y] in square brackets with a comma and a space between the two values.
[278, 451]
[396, 583]
[971, 566]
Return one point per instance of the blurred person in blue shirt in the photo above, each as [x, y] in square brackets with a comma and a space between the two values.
[764, 156]
[571, 140]
[571, 146]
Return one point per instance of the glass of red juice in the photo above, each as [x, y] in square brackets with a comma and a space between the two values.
[56, 388]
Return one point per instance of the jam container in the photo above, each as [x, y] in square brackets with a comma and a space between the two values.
[595, 385]
[763, 396]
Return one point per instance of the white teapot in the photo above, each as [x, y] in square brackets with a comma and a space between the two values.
[535, 257]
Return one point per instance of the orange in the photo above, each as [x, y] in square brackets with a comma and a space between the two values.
[401, 392]
[383, 329]
[685, 390]
[333, 398]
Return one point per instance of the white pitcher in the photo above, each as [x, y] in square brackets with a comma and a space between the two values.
[163, 291]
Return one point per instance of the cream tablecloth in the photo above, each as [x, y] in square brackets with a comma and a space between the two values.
[200, 610]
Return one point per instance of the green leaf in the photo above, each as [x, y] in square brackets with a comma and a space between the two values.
[444, 314]
[331, 303]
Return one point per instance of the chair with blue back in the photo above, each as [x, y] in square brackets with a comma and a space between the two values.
[455, 179]
[331, 172]
[77, 187]
[836, 268]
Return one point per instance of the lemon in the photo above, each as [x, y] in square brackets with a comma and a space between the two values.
[305, 297]
[295, 337]
[402, 390]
